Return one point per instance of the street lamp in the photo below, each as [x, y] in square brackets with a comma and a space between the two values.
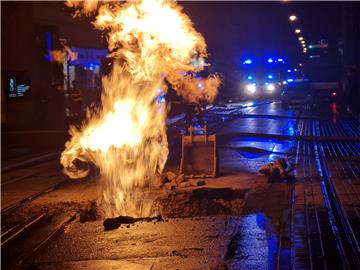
[297, 31]
[300, 38]
[303, 42]
[304, 46]
[292, 18]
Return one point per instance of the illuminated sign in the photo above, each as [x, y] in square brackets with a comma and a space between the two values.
[17, 85]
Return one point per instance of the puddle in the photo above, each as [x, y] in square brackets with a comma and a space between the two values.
[254, 245]
[249, 154]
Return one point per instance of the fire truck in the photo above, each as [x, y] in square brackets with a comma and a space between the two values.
[262, 79]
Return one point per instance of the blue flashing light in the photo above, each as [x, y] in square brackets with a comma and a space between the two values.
[270, 76]
[270, 60]
[197, 76]
[91, 66]
[160, 98]
[291, 131]
[290, 80]
[247, 62]
[249, 77]
[280, 60]
[289, 70]
[200, 85]
[48, 45]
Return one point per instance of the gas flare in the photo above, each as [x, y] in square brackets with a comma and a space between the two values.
[126, 139]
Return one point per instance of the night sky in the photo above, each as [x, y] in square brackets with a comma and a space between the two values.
[234, 30]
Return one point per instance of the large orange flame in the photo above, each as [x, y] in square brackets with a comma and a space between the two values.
[126, 139]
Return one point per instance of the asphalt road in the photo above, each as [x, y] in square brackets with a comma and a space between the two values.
[255, 225]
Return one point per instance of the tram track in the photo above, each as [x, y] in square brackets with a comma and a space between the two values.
[30, 238]
[343, 230]
[322, 236]
[23, 201]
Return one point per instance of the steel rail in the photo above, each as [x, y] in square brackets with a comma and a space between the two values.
[292, 209]
[22, 230]
[319, 232]
[344, 233]
[30, 198]
[310, 257]
[331, 215]
[341, 167]
[288, 137]
[292, 226]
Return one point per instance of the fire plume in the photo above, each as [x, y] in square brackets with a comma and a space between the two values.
[126, 139]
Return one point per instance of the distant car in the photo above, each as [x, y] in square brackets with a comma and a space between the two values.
[298, 92]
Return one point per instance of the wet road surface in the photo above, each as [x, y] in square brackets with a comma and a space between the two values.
[272, 226]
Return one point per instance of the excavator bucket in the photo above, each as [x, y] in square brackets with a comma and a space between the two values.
[199, 154]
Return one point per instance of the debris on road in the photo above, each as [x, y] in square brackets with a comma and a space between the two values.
[169, 176]
[114, 223]
[185, 184]
[172, 181]
[281, 169]
[200, 183]
[180, 178]
[90, 213]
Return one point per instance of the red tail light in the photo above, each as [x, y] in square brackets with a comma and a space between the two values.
[333, 94]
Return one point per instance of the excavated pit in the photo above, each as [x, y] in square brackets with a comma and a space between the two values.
[186, 203]
[178, 204]
[169, 204]
[196, 203]
[203, 202]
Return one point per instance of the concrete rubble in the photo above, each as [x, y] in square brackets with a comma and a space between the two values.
[172, 181]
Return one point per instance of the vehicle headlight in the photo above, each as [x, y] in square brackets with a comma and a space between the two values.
[251, 88]
[270, 87]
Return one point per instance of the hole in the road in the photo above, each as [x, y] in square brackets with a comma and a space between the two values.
[203, 202]
[190, 203]
[187, 203]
